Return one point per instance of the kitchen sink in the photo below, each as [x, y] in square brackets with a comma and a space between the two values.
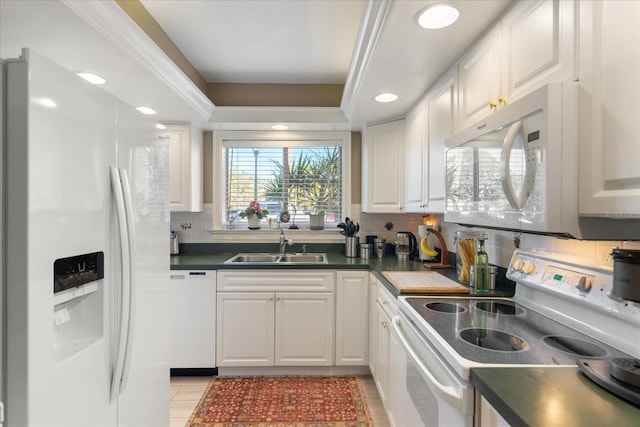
[273, 258]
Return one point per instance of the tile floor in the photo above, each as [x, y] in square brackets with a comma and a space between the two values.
[186, 393]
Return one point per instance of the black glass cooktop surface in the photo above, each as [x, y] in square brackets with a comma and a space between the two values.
[505, 332]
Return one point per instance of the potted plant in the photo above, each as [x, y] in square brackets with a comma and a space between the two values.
[254, 214]
[316, 220]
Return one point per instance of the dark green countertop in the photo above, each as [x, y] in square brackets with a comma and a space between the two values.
[552, 396]
[335, 261]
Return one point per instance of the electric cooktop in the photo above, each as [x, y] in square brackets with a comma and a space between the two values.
[501, 331]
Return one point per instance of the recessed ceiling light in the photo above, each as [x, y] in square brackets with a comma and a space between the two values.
[438, 16]
[92, 78]
[160, 126]
[386, 97]
[146, 110]
[279, 127]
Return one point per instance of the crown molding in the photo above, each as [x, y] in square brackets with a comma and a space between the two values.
[368, 35]
[298, 118]
[115, 25]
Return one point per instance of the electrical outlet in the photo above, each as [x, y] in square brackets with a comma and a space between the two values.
[604, 255]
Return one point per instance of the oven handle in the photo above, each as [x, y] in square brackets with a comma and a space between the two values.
[447, 393]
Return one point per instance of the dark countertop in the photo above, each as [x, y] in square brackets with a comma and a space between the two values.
[198, 260]
[551, 396]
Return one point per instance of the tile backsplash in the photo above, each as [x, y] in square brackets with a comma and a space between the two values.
[193, 227]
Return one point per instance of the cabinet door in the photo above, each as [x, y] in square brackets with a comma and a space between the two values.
[479, 74]
[373, 324]
[192, 320]
[538, 46]
[245, 329]
[304, 329]
[416, 155]
[488, 415]
[610, 109]
[382, 353]
[383, 164]
[186, 168]
[352, 317]
[441, 105]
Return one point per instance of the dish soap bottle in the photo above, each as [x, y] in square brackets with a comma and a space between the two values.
[481, 275]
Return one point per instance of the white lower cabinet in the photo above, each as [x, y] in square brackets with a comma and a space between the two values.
[245, 329]
[304, 329]
[381, 361]
[276, 321]
[352, 317]
[192, 315]
[385, 307]
[486, 415]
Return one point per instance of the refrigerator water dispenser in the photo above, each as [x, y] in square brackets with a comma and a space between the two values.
[78, 301]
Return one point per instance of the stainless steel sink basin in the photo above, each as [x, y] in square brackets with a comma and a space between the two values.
[254, 258]
[273, 258]
[305, 258]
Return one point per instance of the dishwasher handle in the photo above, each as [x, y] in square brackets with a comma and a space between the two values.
[447, 393]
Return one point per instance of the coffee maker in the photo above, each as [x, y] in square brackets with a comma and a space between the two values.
[406, 245]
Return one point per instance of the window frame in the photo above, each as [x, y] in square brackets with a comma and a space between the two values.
[221, 139]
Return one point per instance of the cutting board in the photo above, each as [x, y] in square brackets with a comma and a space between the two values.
[419, 282]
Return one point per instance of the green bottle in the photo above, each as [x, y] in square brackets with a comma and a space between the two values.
[481, 267]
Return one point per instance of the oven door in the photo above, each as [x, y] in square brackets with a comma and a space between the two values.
[422, 390]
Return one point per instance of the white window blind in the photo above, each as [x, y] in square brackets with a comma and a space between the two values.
[300, 177]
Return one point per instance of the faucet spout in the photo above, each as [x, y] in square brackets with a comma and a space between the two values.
[284, 241]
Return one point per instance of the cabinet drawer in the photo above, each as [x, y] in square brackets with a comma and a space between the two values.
[269, 280]
[386, 301]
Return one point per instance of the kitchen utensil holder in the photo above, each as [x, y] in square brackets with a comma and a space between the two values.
[351, 246]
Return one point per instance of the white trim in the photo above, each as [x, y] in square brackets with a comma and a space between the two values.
[246, 118]
[107, 18]
[220, 137]
[370, 31]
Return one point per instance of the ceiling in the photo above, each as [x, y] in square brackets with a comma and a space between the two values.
[248, 41]
[317, 41]
[370, 46]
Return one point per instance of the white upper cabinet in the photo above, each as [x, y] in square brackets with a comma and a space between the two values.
[610, 109]
[479, 77]
[534, 44]
[538, 46]
[441, 106]
[186, 168]
[383, 164]
[417, 156]
[428, 124]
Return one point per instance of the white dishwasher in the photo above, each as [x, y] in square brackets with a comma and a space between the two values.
[192, 296]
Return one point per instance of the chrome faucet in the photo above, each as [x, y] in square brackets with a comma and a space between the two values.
[284, 241]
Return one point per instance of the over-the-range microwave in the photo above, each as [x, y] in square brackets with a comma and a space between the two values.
[518, 168]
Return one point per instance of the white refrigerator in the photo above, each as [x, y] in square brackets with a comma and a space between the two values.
[86, 267]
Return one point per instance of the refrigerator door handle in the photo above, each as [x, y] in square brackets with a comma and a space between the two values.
[131, 233]
[123, 310]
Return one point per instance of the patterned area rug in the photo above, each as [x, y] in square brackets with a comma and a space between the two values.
[291, 401]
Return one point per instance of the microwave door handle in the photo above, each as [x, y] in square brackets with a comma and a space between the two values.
[505, 178]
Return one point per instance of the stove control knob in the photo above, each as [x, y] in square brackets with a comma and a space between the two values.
[528, 268]
[517, 264]
[584, 284]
